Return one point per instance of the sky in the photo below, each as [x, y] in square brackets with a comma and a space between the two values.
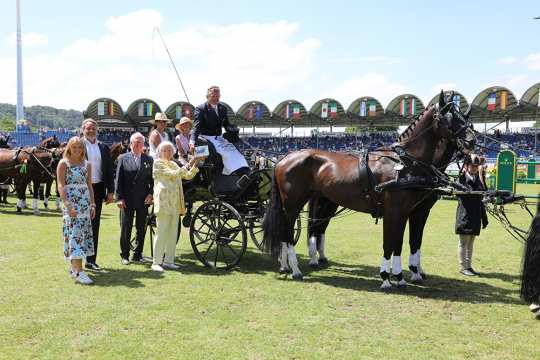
[77, 51]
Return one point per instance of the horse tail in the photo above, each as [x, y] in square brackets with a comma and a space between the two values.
[530, 275]
[275, 224]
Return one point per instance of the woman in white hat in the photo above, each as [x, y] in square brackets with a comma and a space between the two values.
[158, 134]
[182, 139]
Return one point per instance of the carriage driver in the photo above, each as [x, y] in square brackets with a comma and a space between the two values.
[209, 118]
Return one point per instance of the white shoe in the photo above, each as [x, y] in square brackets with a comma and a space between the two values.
[82, 278]
[534, 307]
[171, 266]
[157, 268]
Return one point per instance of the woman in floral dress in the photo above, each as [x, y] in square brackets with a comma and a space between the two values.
[74, 176]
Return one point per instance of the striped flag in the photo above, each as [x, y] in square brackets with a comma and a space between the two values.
[363, 109]
[111, 108]
[296, 111]
[150, 109]
[403, 107]
[492, 101]
[287, 111]
[258, 111]
[140, 109]
[372, 108]
[504, 98]
[333, 110]
[456, 99]
[412, 107]
[101, 108]
[324, 110]
[178, 112]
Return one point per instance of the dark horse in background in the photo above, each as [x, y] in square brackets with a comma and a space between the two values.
[25, 165]
[327, 180]
[5, 181]
[56, 150]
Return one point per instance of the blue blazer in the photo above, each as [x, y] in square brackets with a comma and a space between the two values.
[207, 122]
[132, 184]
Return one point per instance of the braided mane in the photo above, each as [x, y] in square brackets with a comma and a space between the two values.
[408, 131]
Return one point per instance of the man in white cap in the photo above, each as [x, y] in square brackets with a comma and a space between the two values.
[209, 118]
[159, 133]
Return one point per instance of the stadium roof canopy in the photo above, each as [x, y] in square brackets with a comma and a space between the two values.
[366, 111]
[254, 113]
[178, 110]
[493, 104]
[457, 98]
[403, 108]
[530, 102]
[326, 112]
[107, 112]
[290, 112]
[141, 111]
[230, 112]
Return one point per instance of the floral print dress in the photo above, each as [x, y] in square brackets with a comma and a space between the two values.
[78, 239]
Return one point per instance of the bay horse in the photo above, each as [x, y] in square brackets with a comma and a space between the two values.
[116, 150]
[327, 180]
[56, 150]
[25, 165]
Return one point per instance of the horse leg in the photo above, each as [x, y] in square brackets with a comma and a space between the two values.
[48, 186]
[323, 210]
[20, 188]
[417, 221]
[393, 229]
[57, 200]
[36, 183]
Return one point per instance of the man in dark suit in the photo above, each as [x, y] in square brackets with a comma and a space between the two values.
[97, 154]
[209, 118]
[134, 188]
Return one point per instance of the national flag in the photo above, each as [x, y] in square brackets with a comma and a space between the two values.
[258, 111]
[456, 99]
[140, 109]
[101, 108]
[177, 112]
[333, 110]
[492, 101]
[324, 110]
[186, 110]
[363, 109]
[149, 109]
[296, 111]
[412, 107]
[372, 109]
[403, 107]
[111, 108]
[287, 111]
[250, 112]
[504, 98]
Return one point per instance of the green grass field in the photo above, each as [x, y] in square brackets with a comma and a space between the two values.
[253, 313]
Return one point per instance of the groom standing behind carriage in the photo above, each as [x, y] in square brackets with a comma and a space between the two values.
[209, 118]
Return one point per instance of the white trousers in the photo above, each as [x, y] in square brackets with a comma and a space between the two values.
[465, 251]
[165, 243]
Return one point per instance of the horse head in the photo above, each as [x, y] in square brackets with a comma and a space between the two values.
[451, 124]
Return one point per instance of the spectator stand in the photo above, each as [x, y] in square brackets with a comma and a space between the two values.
[287, 115]
[403, 109]
[110, 118]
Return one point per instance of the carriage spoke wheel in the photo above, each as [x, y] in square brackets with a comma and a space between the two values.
[256, 232]
[218, 235]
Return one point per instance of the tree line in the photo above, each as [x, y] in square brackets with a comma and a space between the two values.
[45, 116]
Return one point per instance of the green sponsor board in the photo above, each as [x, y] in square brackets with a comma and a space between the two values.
[506, 171]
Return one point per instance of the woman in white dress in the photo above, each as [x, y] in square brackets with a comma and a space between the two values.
[158, 134]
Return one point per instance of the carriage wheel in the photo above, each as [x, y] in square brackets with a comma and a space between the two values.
[256, 232]
[218, 235]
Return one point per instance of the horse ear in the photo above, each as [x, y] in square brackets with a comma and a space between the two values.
[468, 112]
[441, 100]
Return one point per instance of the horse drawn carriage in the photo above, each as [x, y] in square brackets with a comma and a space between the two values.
[223, 212]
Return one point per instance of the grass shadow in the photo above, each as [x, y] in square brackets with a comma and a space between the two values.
[125, 277]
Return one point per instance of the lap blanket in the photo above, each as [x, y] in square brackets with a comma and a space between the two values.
[232, 158]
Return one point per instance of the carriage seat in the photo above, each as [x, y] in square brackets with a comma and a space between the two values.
[222, 184]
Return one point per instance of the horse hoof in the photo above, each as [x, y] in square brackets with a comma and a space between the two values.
[416, 278]
[423, 275]
[402, 284]
[37, 212]
[386, 285]
[284, 271]
[19, 209]
[323, 261]
[314, 265]
[298, 277]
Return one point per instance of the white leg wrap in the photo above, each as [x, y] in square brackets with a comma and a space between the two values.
[35, 206]
[46, 202]
[321, 247]
[20, 204]
[283, 257]
[396, 265]
[57, 202]
[385, 265]
[293, 261]
[420, 270]
[386, 284]
[23, 204]
[413, 258]
[312, 246]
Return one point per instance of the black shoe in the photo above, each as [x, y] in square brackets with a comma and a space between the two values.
[137, 259]
[92, 266]
[473, 271]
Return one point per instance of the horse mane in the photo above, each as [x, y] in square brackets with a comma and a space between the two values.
[409, 130]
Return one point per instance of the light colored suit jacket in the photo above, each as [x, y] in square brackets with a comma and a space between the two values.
[168, 192]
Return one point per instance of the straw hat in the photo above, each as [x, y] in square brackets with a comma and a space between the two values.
[183, 120]
[160, 117]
